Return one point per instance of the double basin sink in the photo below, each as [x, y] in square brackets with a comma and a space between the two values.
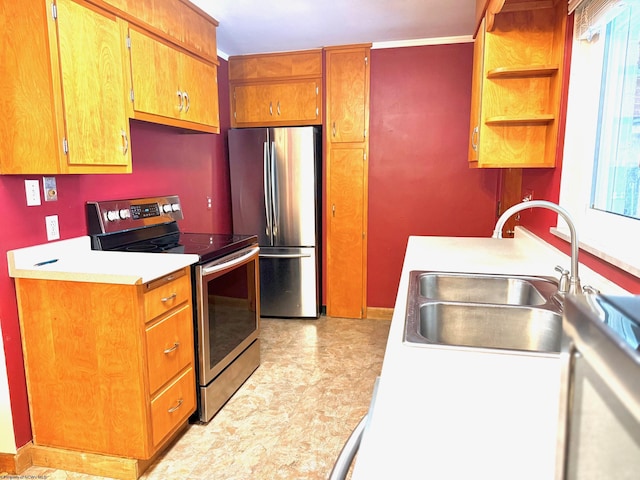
[509, 313]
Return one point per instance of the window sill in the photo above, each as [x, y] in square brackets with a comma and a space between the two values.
[629, 263]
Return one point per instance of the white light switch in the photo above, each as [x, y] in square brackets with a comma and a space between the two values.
[53, 230]
[32, 189]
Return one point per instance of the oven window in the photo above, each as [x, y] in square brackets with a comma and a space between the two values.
[232, 310]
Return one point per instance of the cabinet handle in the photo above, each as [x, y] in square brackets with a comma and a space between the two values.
[278, 107]
[125, 142]
[170, 297]
[172, 349]
[180, 106]
[270, 108]
[173, 409]
[333, 129]
[474, 138]
[186, 95]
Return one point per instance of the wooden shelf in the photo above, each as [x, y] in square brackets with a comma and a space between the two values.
[520, 120]
[524, 72]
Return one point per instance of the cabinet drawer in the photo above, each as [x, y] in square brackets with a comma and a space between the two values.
[169, 346]
[173, 406]
[166, 293]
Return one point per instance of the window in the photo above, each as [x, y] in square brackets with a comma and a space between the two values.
[601, 169]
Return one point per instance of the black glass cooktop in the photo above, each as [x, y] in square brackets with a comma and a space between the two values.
[167, 239]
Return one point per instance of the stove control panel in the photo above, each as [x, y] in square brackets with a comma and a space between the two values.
[120, 215]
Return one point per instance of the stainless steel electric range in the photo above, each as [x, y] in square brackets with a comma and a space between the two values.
[225, 281]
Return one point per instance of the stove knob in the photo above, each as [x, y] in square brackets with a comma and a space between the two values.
[175, 207]
[124, 213]
[112, 215]
[166, 208]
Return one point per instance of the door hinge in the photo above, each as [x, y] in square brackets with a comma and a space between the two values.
[65, 146]
[364, 156]
[317, 112]
[366, 60]
[317, 91]
[365, 133]
[235, 115]
[131, 95]
[54, 11]
[129, 42]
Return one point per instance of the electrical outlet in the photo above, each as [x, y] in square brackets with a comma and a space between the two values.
[53, 230]
[32, 190]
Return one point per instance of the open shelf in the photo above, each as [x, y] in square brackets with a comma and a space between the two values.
[520, 120]
[524, 72]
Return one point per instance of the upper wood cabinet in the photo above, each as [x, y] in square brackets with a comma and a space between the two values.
[64, 83]
[66, 80]
[172, 87]
[518, 73]
[276, 89]
[179, 21]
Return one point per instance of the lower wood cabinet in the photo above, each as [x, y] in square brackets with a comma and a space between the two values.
[110, 367]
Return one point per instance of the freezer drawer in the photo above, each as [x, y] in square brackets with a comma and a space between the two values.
[289, 282]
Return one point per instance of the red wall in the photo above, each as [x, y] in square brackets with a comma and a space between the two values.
[419, 180]
[165, 161]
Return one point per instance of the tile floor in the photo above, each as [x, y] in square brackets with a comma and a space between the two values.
[291, 417]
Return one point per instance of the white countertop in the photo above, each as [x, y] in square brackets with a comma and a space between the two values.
[75, 261]
[461, 414]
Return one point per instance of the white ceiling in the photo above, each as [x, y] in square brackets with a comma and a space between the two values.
[258, 26]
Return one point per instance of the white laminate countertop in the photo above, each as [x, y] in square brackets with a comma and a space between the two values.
[75, 261]
[460, 414]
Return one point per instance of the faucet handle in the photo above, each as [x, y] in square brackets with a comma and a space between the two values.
[563, 283]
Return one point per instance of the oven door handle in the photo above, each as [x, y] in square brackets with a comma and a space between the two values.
[230, 264]
[285, 255]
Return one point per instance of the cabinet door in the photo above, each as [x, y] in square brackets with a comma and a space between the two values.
[476, 95]
[199, 82]
[297, 101]
[347, 79]
[345, 249]
[253, 104]
[154, 72]
[92, 64]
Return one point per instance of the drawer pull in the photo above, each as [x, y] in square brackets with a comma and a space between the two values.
[170, 297]
[172, 349]
[173, 409]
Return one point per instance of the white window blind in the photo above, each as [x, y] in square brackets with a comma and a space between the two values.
[590, 15]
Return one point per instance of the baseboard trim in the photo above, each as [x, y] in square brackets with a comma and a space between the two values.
[16, 463]
[379, 313]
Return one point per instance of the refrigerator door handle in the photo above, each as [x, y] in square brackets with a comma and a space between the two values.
[274, 187]
[267, 188]
[285, 255]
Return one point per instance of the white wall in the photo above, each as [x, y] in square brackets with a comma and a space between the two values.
[7, 437]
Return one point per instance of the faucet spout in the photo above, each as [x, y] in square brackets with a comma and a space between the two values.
[574, 279]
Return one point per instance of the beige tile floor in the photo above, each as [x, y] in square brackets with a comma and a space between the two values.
[291, 417]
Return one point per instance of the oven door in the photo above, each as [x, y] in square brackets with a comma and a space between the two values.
[228, 310]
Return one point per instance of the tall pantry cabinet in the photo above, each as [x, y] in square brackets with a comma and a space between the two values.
[347, 149]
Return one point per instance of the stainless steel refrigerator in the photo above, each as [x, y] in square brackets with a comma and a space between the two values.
[275, 195]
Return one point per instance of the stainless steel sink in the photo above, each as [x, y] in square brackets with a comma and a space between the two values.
[512, 313]
[491, 326]
[480, 288]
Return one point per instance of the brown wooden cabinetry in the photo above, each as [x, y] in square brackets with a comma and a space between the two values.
[347, 146]
[276, 89]
[518, 58]
[110, 368]
[65, 84]
[171, 86]
[65, 79]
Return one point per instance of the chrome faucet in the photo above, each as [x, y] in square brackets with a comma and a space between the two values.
[574, 280]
